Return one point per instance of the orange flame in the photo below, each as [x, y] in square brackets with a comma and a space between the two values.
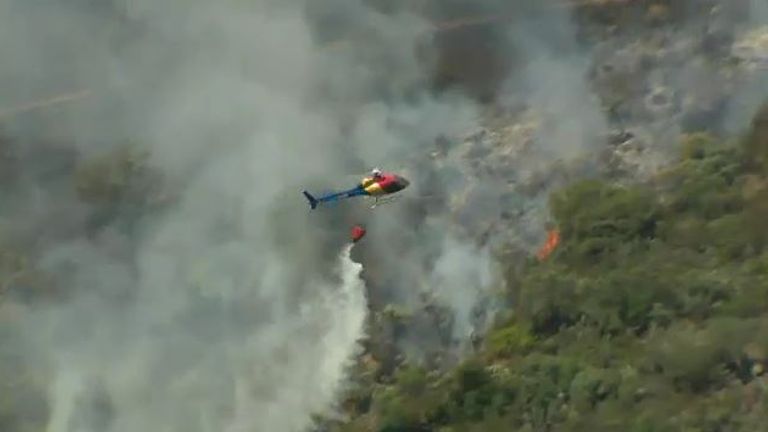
[553, 239]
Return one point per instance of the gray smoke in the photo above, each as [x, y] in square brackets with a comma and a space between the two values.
[226, 309]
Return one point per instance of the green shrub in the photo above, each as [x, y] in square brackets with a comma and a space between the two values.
[691, 359]
[592, 209]
[705, 188]
[756, 142]
[591, 386]
[549, 299]
[511, 339]
[697, 145]
[411, 380]
[108, 177]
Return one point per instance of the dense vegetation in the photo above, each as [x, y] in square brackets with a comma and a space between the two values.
[650, 316]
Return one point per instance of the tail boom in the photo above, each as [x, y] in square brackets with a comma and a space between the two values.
[315, 201]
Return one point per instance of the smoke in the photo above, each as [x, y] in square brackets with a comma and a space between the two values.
[462, 278]
[221, 308]
[552, 82]
[220, 378]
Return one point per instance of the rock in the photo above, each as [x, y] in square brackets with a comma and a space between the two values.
[752, 48]
[661, 101]
[658, 13]
[616, 138]
[755, 352]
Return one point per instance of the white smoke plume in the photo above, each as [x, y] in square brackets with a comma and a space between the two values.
[462, 277]
[229, 384]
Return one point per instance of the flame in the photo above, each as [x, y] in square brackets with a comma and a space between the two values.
[553, 239]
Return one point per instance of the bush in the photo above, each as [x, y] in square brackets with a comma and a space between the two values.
[690, 358]
[411, 381]
[591, 386]
[755, 218]
[549, 300]
[697, 145]
[706, 187]
[398, 412]
[511, 339]
[756, 142]
[591, 209]
[634, 293]
[107, 178]
[476, 394]
[597, 219]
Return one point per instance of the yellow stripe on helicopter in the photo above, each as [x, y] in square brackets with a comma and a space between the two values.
[372, 187]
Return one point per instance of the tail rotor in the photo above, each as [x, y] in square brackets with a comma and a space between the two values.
[312, 200]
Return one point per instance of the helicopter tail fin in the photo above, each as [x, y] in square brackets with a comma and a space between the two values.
[312, 200]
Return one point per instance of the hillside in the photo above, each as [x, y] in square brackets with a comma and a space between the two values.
[650, 315]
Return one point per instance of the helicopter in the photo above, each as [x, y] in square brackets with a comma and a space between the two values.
[379, 185]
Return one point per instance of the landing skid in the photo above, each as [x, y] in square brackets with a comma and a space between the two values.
[379, 201]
